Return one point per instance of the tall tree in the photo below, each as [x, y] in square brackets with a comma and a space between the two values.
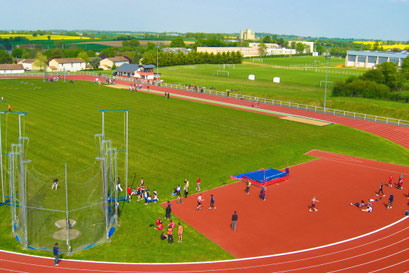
[178, 42]
[267, 39]
[392, 78]
[4, 57]
[262, 49]
[40, 60]
[83, 55]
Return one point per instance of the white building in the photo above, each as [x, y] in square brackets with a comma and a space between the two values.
[29, 65]
[245, 51]
[67, 64]
[143, 72]
[108, 63]
[247, 35]
[11, 68]
[274, 49]
[370, 59]
[309, 46]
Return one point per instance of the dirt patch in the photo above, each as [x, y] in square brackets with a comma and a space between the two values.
[307, 121]
[117, 86]
[62, 223]
[62, 234]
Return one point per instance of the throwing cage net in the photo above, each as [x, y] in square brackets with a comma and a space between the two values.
[78, 209]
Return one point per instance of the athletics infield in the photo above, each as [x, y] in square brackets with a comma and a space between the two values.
[280, 234]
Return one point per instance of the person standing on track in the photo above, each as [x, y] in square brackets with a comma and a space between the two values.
[390, 201]
[211, 206]
[248, 187]
[263, 193]
[234, 219]
[380, 190]
[400, 182]
[56, 251]
[390, 181]
[199, 202]
[313, 202]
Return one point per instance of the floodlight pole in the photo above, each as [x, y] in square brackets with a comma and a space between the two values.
[326, 82]
[67, 219]
[157, 60]
[1, 162]
[126, 151]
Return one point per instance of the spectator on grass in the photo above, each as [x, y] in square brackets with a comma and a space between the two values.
[129, 191]
[198, 184]
[163, 236]
[55, 184]
[155, 197]
[118, 184]
[186, 187]
[170, 235]
[168, 211]
[180, 233]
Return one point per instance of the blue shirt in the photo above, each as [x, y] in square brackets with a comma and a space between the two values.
[55, 250]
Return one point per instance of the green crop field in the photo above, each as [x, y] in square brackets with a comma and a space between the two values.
[298, 84]
[169, 140]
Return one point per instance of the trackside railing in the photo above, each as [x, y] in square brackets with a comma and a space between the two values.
[231, 94]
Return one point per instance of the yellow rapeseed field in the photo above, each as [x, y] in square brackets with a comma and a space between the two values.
[43, 37]
[383, 45]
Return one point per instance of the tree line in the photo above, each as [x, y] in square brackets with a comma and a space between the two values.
[193, 57]
[384, 82]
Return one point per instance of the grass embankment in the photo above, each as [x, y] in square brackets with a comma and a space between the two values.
[299, 84]
[169, 140]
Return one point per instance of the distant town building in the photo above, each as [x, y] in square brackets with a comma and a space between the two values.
[66, 64]
[309, 46]
[247, 35]
[143, 72]
[108, 63]
[11, 68]
[29, 65]
[176, 50]
[245, 51]
[274, 49]
[370, 59]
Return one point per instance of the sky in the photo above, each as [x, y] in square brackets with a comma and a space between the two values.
[366, 19]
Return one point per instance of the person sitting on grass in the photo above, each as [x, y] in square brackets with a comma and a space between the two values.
[163, 236]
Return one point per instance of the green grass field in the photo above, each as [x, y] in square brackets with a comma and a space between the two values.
[300, 85]
[318, 61]
[169, 140]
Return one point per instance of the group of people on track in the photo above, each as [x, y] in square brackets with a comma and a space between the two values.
[368, 207]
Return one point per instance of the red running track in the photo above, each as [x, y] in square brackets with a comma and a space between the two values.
[383, 251]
